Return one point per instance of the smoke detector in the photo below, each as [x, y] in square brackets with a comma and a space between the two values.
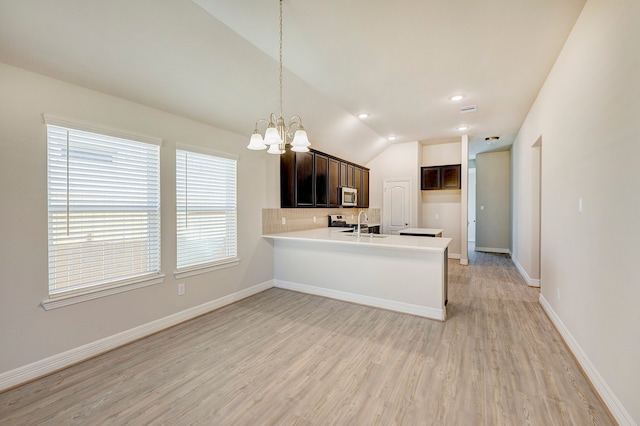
[491, 139]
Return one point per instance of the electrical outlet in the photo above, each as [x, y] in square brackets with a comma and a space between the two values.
[558, 293]
[579, 205]
[437, 216]
[314, 219]
[181, 289]
[284, 220]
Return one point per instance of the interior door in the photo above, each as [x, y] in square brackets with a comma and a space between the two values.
[396, 210]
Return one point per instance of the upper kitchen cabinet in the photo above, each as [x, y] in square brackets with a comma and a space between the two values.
[363, 195]
[321, 180]
[347, 174]
[440, 177]
[334, 182]
[313, 179]
[296, 179]
[450, 176]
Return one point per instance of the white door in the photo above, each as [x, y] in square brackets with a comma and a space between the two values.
[396, 209]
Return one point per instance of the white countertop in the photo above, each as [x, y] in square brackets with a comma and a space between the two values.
[334, 235]
[422, 231]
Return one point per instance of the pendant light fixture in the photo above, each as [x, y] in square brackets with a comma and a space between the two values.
[277, 135]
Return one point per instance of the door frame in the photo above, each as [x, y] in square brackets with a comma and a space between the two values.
[385, 213]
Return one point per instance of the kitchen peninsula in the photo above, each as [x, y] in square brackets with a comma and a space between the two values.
[400, 273]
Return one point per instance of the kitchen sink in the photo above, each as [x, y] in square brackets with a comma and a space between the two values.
[363, 235]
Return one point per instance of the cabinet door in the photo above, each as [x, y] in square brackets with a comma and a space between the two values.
[363, 195]
[450, 176]
[357, 174]
[304, 179]
[343, 174]
[287, 179]
[430, 178]
[351, 173]
[334, 182]
[321, 180]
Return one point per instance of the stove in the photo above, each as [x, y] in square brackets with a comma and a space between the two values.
[338, 221]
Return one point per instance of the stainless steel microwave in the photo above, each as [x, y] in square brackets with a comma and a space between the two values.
[349, 196]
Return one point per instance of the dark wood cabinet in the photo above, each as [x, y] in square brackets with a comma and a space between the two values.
[334, 182]
[440, 177]
[304, 179]
[357, 182]
[321, 180]
[450, 176]
[430, 178]
[313, 179]
[347, 174]
[363, 195]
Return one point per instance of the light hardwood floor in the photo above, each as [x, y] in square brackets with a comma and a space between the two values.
[282, 357]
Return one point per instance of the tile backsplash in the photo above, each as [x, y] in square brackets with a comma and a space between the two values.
[302, 219]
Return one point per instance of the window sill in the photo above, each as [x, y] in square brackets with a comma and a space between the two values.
[61, 300]
[203, 269]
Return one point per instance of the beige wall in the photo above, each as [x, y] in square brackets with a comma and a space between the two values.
[27, 332]
[586, 116]
[492, 202]
[443, 208]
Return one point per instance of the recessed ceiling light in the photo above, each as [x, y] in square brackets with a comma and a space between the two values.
[463, 127]
[391, 138]
[457, 97]
[363, 115]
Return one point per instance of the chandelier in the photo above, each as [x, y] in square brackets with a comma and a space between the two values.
[277, 134]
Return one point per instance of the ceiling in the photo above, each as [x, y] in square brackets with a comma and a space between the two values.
[215, 61]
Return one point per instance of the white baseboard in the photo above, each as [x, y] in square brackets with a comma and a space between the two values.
[611, 401]
[57, 362]
[531, 282]
[407, 308]
[493, 250]
[464, 261]
[454, 256]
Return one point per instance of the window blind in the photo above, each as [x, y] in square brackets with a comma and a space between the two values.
[206, 209]
[103, 209]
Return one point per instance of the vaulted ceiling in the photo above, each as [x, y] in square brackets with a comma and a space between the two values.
[216, 61]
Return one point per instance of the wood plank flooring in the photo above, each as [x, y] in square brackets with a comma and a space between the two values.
[284, 358]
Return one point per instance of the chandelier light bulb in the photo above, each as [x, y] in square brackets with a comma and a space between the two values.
[256, 142]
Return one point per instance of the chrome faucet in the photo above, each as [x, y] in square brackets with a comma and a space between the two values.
[365, 218]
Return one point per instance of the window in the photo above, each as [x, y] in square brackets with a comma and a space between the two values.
[206, 210]
[103, 211]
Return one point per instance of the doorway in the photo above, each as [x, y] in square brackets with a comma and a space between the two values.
[471, 236]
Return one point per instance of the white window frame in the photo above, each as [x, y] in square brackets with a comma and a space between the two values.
[182, 203]
[90, 291]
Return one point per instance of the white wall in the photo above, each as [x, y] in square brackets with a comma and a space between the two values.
[587, 116]
[27, 332]
[443, 208]
[492, 202]
[400, 160]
